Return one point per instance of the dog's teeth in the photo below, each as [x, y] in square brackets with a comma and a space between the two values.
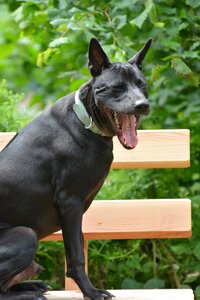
[116, 119]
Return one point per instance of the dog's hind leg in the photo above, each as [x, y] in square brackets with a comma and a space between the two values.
[18, 284]
[17, 250]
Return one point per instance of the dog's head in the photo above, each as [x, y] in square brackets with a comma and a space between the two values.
[119, 92]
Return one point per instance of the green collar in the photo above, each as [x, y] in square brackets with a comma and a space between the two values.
[84, 117]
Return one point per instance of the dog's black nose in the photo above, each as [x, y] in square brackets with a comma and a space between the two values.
[142, 107]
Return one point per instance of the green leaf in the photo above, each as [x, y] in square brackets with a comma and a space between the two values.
[11, 117]
[197, 291]
[194, 79]
[156, 72]
[58, 22]
[118, 4]
[153, 15]
[159, 24]
[58, 42]
[193, 3]
[180, 67]
[18, 14]
[63, 4]
[171, 45]
[129, 283]
[191, 277]
[138, 21]
[120, 21]
[39, 62]
[197, 251]
[44, 57]
[190, 54]
[154, 284]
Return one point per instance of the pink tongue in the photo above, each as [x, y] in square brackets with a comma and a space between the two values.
[129, 131]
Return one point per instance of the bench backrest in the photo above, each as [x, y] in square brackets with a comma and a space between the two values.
[156, 149]
[168, 218]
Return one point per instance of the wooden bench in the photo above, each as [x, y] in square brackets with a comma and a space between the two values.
[138, 219]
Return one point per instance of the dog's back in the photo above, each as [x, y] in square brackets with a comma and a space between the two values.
[48, 149]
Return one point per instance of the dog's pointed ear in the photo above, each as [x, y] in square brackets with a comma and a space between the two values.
[138, 57]
[98, 60]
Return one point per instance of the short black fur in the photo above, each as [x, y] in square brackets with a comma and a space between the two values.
[53, 168]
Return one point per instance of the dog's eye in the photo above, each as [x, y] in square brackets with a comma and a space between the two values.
[100, 89]
[119, 87]
[139, 82]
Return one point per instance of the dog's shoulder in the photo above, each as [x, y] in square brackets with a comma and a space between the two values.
[63, 105]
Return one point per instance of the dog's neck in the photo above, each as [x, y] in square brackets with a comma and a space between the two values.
[85, 117]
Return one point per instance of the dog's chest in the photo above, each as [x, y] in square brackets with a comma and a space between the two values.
[82, 169]
[96, 169]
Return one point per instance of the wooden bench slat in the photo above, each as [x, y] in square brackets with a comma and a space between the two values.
[133, 219]
[154, 294]
[156, 149]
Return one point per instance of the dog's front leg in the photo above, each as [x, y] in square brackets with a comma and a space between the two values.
[70, 213]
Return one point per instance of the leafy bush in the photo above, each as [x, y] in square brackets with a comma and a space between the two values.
[50, 255]
[12, 118]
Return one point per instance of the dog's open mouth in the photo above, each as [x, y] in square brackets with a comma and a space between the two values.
[125, 127]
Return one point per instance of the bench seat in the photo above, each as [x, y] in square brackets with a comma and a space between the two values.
[154, 294]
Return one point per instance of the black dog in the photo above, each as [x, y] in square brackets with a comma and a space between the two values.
[53, 168]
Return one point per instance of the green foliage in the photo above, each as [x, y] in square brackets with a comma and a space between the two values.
[12, 118]
[55, 34]
[46, 58]
[51, 255]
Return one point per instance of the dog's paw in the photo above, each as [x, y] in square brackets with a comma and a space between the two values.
[99, 294]
[30, 285]
[22, 296]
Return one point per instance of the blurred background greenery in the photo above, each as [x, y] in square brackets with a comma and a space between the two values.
[43, 56]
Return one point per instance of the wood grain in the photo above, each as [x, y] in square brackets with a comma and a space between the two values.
[136, 219]
[156, 149]
[155, 294]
